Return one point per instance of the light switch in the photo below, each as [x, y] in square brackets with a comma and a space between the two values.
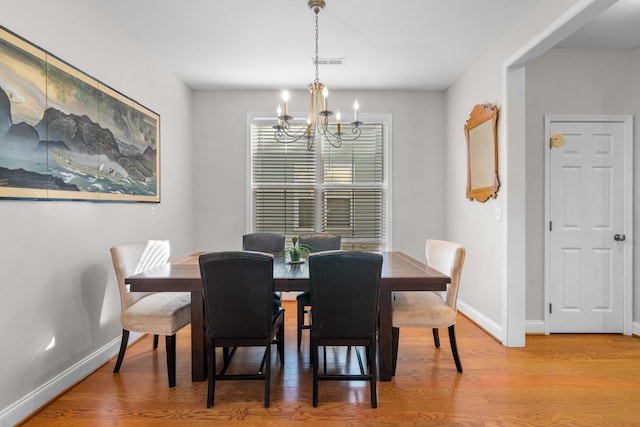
[498, 214]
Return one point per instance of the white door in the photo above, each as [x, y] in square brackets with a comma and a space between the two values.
[588, 224]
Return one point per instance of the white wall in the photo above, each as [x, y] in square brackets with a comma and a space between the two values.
[55, 269]
[417, 161]
[484, 283]
[566, 81]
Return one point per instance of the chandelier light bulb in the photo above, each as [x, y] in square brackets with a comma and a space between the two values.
[356, 106]
[325, 96]
[285, 98]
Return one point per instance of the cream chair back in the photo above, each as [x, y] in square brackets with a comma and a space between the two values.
[447, 258]
[134, 258]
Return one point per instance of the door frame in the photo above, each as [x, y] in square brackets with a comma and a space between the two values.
[627, 121]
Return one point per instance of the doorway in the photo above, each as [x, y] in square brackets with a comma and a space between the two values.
[588, 219]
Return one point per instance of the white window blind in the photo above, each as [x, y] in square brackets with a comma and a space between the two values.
[335, 190]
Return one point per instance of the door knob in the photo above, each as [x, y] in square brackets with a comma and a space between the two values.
[619, 237]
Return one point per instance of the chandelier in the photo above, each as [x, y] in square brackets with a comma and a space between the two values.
[318, 125]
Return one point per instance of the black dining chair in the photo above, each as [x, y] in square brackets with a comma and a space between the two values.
[238, 295]
[345, 287]
[316, 242]
[272, 243]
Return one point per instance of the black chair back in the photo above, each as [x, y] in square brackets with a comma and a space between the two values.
[345, 286]
[263, 242]
[319, 242]
[238, 294]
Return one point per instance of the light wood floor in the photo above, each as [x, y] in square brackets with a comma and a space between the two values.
[557, 380]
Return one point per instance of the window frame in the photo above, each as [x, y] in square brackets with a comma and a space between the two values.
[320, 185]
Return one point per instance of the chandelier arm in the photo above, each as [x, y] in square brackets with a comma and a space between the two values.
[283, 135]
[355, 132]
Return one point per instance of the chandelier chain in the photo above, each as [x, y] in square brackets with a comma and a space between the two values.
[317, 73]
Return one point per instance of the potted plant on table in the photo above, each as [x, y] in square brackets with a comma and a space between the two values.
[296, 250]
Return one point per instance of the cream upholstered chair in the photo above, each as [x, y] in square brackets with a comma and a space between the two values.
[432, 309]
[162, 313]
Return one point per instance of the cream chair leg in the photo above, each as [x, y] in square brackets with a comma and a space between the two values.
[436, 337]
[171, 359]
[123, 349]
[454, 347]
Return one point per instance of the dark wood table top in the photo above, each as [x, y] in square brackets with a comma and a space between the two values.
[400, 272]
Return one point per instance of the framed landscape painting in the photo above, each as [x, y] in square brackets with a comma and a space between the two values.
[66, 136]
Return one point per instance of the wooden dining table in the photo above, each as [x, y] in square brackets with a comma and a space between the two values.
[400, 272]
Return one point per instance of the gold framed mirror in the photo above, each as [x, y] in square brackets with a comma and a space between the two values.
[481, 131]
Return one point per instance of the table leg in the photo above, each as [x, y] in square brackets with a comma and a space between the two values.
[198, 357]
[385, 337]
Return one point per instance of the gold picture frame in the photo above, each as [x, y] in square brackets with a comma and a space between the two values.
[481, 132]
[66, 136]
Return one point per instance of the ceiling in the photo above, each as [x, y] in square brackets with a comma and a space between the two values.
[385, 44]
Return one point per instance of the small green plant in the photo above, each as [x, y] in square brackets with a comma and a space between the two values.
[295, 251]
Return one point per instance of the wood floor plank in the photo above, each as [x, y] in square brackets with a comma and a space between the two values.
[559, 380]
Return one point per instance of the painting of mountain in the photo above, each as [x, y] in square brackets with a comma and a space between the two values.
[66, 136]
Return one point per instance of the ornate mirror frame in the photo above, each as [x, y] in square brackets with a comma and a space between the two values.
[481, 131]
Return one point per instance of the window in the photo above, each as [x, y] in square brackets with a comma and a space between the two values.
[336, 190]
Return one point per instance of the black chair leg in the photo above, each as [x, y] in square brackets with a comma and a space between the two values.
[373, 371]
[267, 377]
[324, 358]
[310, 355]
[280, 339]
[171, 359]
[436, 337]
[155, 342]
[314, 362]
[300, 321]
[395, 340]
[454, 347]
[123, 349]
[211, 362]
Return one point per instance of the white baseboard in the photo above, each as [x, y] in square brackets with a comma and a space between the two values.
[484, 322]
[39, 397]
[534, 327]
[537, 327]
